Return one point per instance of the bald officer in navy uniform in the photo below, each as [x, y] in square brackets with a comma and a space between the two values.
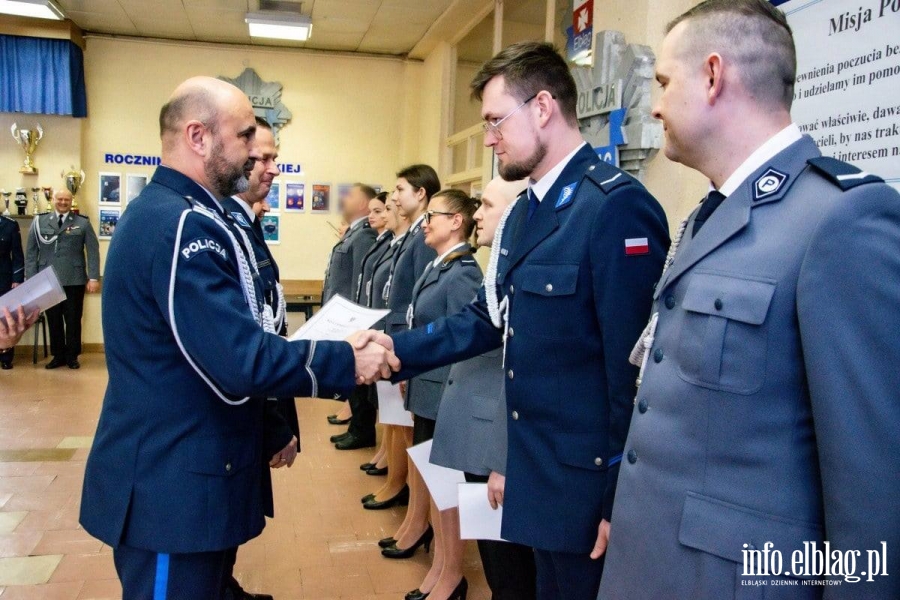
[767, 418]
[12, 270]
[576, 291]
[175, 477]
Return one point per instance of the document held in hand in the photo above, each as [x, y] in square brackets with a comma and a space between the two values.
[390, 405]
[477, 520]
[441, 481]
[37, 293]
[337, 320]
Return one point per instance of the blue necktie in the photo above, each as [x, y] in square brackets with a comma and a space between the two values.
[532, 204]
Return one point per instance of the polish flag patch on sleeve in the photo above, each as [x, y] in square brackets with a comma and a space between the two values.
[636, 246]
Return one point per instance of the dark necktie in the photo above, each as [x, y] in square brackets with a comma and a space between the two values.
[710, 204]
[532, 204]
[59, 223]
[257, 228]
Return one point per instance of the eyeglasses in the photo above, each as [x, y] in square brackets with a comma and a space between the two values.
[494, 126]
[430, 213]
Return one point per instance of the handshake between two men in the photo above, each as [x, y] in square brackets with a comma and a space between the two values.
[373, 352]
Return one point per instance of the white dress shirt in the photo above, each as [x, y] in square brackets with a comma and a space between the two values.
[760, 156]
[541, 187]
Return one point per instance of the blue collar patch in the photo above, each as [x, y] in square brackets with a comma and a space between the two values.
[566, 195]
[241, 219]
[768, 184]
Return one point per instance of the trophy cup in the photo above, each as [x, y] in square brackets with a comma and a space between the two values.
[6, 196]
[36, 199]
[28, 139]
[74, 180]
[21, 201]
[48, 196]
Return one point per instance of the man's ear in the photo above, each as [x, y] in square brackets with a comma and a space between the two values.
[195, 134]
[546, 107]
[713, 70]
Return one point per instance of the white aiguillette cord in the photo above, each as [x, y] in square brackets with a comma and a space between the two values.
[641, 351]
[498, 309]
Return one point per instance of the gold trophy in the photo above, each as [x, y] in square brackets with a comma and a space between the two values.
[74, 180]
[6, 196]
[36, 201]
[48, 196]
[28, 139]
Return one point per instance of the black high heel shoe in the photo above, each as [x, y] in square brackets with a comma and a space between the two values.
[367, 466]
[367, 498]
[461, 591]
[376, 472]
[333, 419]
[397, 553]
[401, 499]
[386, 542]
[416, 594]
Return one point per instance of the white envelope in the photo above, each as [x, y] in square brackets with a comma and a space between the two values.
[390, 405]
[441, 481]
[477, 520]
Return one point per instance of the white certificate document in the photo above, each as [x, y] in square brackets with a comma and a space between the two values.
[477, 520]
[441, 481]
[337, 320]
[37, 293]
[390, 405]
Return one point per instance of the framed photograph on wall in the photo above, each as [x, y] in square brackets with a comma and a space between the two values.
[321, 197]
[294, 196]
[271, 226]
[134, 185]
[274, 197]
[109, 218]
[110, 188]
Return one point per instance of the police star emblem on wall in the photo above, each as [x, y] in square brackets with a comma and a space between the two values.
[265, 96]
[614, 105]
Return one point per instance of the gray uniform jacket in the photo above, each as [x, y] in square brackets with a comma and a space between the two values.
[440, 291]
[470, 434]
[770, 406]
[345, 262]
[379, 248]
[63, 248]
[410, 258]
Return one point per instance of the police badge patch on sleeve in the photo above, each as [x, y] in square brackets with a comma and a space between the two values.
[201, 245]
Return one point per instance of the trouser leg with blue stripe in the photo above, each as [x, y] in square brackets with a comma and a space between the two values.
[147, 575]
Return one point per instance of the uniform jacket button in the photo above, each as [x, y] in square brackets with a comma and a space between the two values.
[512, 332]
[632, 456]
[512, 289]
[549, 287]
[598, 461]
[658, 355]
[718, 304]
[642, 406]
[515, 416]
[510, 374]
[228, 467]
[449, 382]
[670, 302]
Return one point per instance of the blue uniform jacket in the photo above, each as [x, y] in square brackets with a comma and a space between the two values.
[177, 462]
[12, 259]
[577, 304]
[409, 260]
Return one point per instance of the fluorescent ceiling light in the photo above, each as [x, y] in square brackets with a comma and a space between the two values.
[40, 9]
[279, 25]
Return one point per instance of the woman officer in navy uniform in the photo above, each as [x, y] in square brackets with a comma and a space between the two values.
[448, 283]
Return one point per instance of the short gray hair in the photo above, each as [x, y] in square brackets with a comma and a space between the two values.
[754, 35]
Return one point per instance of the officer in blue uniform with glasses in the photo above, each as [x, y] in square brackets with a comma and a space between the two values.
[175, 477]
[569, 286]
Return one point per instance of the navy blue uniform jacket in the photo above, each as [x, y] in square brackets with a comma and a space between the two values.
[577, 304]
[175, 464]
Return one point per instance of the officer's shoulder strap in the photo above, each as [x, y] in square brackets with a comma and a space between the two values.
[844, 175]
[5, 218]
[607, 177]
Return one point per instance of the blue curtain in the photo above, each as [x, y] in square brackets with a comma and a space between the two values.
[41, 76]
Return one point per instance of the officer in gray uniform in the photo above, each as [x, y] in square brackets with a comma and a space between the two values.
[12, 270]
[767, 416]
[345, 262]
[60, 239]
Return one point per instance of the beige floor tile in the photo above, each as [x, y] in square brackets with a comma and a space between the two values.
[47, 591]
[67, 541]
[20, 544]
[76, 441]
[28, 570]
[105, 589]
[85, 567]
[10, 520]
[4, 498]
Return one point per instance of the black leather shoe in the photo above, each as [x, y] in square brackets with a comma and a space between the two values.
[367, 498]
[461, 591]
[416, 594]
[401, 499]
[239, 594]
[375, 472]
[74, 364]
[386, 542]
[351, 442]
[333, 419]
[367, 466]
[396, 553]
[55, 363]
[6, 366]
[341, 436]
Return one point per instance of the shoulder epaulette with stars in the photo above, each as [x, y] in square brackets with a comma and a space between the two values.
[844, 175]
